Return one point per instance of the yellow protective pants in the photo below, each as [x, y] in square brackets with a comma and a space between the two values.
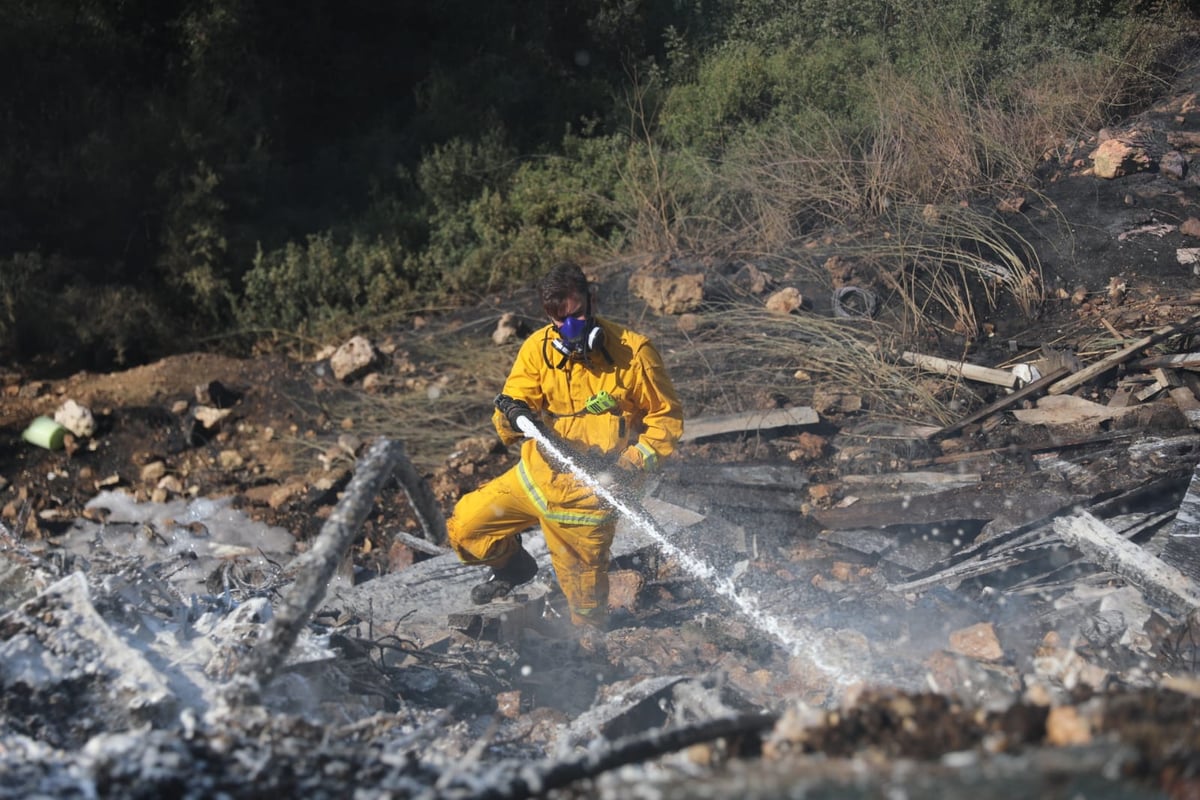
[483, 530]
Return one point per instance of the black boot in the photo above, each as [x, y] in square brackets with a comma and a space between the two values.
[521, 568]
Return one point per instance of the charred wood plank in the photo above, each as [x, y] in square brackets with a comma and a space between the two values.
[1027, 542]
[1026, 391]
[978, 503]
[1123, 355]
[314, 569]
[748, 422]
[754, 475]
[961, 369]
[1108, 549]
[1176, 361]
[1185, 400]
[1021, 451]
[761, 487]
[499, 621]
[1182, 549]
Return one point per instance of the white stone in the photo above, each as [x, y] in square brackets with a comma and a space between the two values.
[78, 419]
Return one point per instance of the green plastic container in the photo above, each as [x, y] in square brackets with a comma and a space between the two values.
[45, 432]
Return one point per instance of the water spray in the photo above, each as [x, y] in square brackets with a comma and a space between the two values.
[795, 642]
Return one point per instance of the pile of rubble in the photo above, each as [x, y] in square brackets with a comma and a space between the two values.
[988, 617]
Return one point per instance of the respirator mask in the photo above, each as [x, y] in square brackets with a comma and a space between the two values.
[578, 335]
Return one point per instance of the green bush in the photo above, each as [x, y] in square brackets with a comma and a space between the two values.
[26, 297]
[302, 286]
[731, 91]
[193, 255]
[565, 205]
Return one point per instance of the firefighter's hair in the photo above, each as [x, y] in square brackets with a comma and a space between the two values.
[564, 281]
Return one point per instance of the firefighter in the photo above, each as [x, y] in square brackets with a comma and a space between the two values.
[602, 392]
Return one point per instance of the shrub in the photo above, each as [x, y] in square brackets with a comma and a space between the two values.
[193, 254]
[732, 90]
[301, 286]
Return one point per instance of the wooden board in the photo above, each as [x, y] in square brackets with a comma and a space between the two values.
[1121, 356]
[1111, 551]
[1182, 549]
[748, 422]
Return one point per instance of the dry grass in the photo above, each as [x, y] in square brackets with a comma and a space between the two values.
[742, 354]
[932, 145]
[944, 263]
[442, 398]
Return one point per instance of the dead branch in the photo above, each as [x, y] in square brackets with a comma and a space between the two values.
[421, 498]
[314, 570]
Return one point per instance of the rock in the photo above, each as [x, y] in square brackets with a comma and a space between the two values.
[1189, 257]
[230, 460]
[809, 447]
[624, 587]
[508, 704]
[833, 401]
[1190, 227]
[1173, 164]
[210, 417]
[1065, 727]
[78, 419]
[668, 293]
[785, 301]
[153, 471]
[353, 359]
[508, 327]
[1115, 158]
[978, 642]
[170, 484]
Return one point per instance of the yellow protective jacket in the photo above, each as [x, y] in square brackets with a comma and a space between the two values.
[643, 428]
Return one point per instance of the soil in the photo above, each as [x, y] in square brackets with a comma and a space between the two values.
[1109, 256]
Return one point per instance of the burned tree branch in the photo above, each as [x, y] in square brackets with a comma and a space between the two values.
[421, 498]
[315, 568]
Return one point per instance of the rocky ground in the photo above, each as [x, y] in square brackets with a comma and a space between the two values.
[828, 663]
